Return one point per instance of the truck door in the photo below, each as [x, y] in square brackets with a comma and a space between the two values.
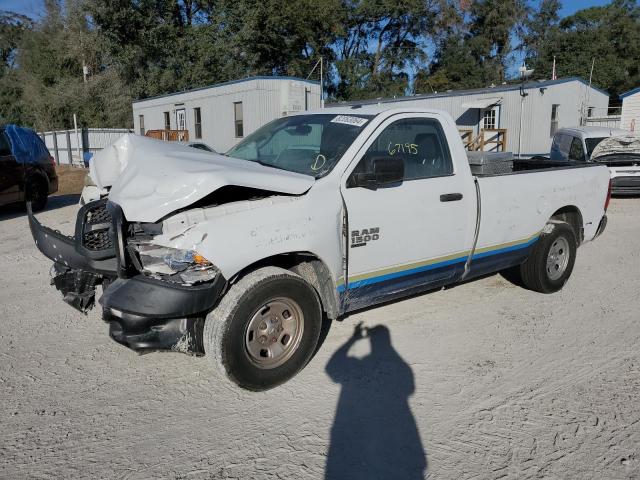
[413, 235]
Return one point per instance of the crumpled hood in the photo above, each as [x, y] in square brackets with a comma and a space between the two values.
[621, 144]
[151, 178]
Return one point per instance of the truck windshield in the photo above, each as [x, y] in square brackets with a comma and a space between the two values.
[592, 143]
[309, 144]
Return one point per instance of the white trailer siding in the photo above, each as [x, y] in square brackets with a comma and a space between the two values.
[570, 95]
[263, 99]
[631, 110]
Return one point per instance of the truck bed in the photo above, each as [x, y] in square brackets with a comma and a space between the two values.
[534, 164]
[517, 205]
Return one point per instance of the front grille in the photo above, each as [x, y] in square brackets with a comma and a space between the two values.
[99, 240]
[96, 226]
[99, 214]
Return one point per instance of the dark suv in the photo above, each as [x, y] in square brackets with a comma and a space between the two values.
[27, 170]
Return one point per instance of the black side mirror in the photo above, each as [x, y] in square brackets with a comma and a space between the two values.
[385, 171]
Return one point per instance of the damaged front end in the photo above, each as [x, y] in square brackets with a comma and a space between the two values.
[148, 307]
[78, 287]
[83, 261]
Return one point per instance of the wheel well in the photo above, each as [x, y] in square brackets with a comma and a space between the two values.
[309, 267]
[573, 217]
[37, 176]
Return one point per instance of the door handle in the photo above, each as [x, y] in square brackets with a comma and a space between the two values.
[450, 197]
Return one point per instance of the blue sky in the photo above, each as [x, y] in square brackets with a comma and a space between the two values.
[32, 8]
[570, 6]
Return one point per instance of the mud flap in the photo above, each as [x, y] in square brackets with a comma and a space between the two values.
[78, 287]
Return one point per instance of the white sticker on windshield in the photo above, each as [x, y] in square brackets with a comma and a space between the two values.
[349, 120]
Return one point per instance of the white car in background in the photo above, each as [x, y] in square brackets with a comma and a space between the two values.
[616, 148]
[92, 192]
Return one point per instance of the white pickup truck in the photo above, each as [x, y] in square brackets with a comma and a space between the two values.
[314, 215]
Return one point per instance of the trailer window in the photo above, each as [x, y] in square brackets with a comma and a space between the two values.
[238, 120]
[141, 119]
[554, 120]
[167, 121]
[489, 120]
[197, 120]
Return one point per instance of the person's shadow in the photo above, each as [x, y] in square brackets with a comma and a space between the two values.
[374, 434]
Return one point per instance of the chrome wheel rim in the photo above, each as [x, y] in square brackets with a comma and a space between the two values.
[274, 332]
[558, 258]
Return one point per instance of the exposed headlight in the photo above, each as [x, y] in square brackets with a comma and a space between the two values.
[188, 265]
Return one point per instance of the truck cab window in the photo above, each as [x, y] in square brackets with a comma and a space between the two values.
[420, 142]
[576, 152]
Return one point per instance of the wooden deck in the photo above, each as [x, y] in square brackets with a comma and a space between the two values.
[169, 135]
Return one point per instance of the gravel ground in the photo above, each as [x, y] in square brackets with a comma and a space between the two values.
[485, 380]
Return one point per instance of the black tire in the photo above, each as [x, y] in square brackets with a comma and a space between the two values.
[227, 330]
[536, 273]
[37, 192]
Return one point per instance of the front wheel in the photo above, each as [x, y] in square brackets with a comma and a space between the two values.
[551, 262]
[265, 329]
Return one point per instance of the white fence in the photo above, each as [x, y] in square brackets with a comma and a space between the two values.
[69, 148]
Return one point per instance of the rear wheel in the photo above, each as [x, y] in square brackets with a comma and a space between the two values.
[265, 328]
[37, 192]
[551, 262]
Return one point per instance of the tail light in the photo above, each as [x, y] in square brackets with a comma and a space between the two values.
[606, 202]
[52, 160]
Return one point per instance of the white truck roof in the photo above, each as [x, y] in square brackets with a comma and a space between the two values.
[372, 110]
[592, 131]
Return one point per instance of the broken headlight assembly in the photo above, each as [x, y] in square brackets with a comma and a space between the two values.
[184, 266]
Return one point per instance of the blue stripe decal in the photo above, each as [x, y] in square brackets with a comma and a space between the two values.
[506, 249]
[403, 273]
[433, 266]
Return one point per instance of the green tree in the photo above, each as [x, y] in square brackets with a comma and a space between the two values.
[13, 27]
[51, 59]
[475, 47]
[492, 27]
[454, 67]
[609, 36]
[382, 41]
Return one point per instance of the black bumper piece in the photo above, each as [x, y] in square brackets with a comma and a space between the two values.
[62, 249]
[147, 314]
[145, 297]
[149, 334]
[78, 287]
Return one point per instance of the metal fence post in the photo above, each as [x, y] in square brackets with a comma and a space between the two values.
[69, 149]
[55, 148]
